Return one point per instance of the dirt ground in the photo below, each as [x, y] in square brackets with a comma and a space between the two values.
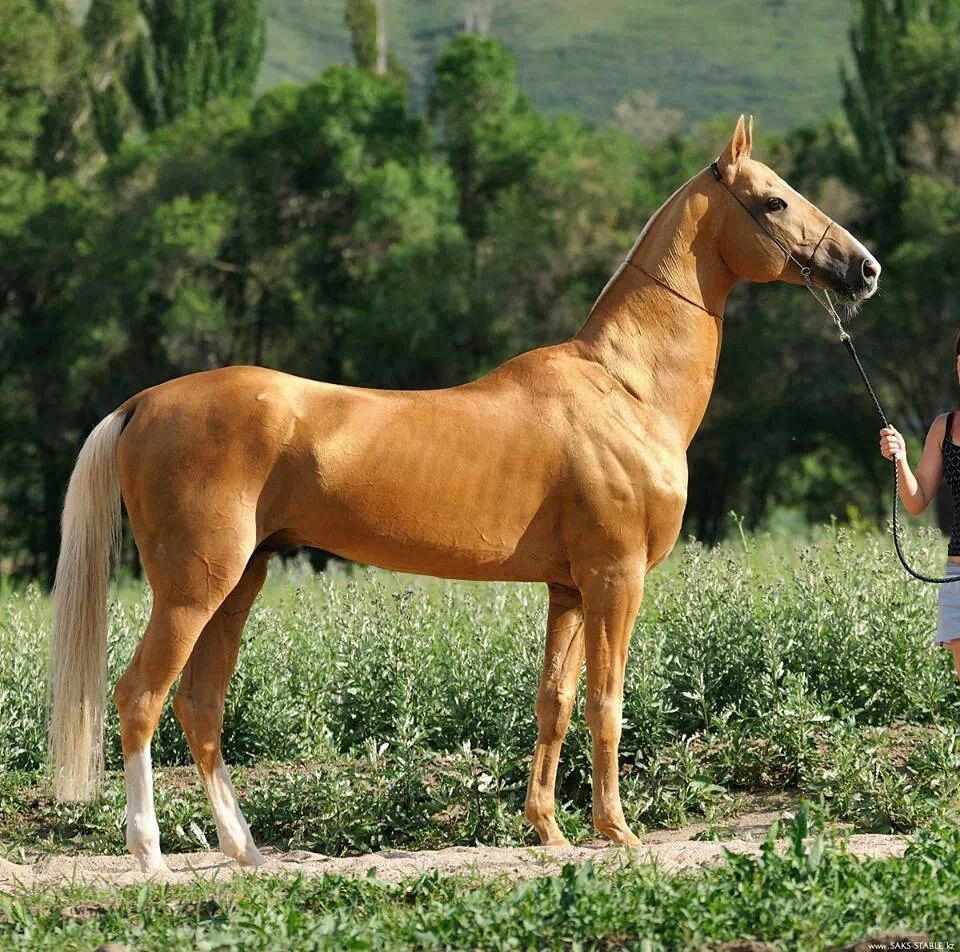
[673, 850]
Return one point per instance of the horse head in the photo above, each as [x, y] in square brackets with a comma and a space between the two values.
[770, 232]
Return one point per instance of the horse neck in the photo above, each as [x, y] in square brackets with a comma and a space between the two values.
[662, 348]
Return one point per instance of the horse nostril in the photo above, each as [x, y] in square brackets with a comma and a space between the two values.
[870, 269]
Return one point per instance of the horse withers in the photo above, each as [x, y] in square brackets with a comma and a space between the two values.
[565, 465]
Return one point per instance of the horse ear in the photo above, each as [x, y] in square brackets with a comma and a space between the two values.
[749, 151]
[737, 148]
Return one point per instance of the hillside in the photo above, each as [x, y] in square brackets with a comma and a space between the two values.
[777, 59]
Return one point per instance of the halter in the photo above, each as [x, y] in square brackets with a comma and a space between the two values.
[806, 270]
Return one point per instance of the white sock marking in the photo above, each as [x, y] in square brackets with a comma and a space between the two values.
[232, 829]
[143, 832]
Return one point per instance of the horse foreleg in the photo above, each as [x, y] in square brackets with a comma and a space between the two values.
[199, 706]
[610, 606]
[563, 659]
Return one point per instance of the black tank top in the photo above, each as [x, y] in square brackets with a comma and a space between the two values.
[951, 475]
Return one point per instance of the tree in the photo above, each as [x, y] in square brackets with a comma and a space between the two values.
[366, 21]
[489, 133]
[906, 78]
[341, 188]
[361, 18]
[192, 52]
[112, 28]
[902, 105]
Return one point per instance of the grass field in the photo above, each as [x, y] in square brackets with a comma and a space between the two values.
[372, 711]
[808, 899]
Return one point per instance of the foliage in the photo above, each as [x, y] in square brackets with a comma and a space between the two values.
[402, 715]
[697, 60]
[194, 51]
[809, 894]
[360, 17]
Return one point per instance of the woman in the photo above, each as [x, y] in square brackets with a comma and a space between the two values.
[940, 460]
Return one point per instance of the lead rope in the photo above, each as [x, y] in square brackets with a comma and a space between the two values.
[847, 342]
[827, 304]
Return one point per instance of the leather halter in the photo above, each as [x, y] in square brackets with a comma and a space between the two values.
[806, 270]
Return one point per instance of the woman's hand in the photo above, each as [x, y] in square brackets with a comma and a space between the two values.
[892, 444]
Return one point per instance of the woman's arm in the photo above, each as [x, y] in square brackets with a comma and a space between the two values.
[916, 489]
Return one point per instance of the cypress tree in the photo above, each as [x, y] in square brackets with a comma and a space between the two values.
[192, 51]
[360, 17]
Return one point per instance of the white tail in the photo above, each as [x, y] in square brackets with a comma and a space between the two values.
[78, 644]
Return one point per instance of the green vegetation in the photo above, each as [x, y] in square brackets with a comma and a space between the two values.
[693, 56]
[811, 897]
[372, 712]
[367, 713]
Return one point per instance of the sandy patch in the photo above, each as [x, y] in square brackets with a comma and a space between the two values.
[673, 850]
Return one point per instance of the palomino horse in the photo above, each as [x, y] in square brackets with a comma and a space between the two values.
[566, 465]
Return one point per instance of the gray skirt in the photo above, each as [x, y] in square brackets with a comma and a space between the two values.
[948, 625]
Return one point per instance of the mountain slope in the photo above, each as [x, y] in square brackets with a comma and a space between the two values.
[776, 58]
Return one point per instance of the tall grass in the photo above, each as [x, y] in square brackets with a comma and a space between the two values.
[758, 665]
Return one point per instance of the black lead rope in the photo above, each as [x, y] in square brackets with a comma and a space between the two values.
[847, 341]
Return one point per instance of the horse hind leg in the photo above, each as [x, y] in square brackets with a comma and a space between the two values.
[189, 585]
[140, 695]
[199, 706]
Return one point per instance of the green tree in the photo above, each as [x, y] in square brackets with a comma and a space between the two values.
[341, 184]
[112, 28]
[905, 83]
[488, 131]
[360, 17]
[192, 52]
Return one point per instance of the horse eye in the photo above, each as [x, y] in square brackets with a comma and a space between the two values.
[776, 204]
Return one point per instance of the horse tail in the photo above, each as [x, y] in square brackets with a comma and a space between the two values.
[78, 646]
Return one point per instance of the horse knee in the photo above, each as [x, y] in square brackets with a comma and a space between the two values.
[604, 716]
[554, 709]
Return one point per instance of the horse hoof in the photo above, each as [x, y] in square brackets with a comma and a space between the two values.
[151, 865]
[250, 858]
[622, 837]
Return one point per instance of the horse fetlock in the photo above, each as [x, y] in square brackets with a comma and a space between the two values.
[538, 813]
[613, 825]
[543, 819]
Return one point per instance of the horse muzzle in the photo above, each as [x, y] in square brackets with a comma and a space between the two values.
[853, 278]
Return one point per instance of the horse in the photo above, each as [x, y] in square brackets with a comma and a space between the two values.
[566, 465]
